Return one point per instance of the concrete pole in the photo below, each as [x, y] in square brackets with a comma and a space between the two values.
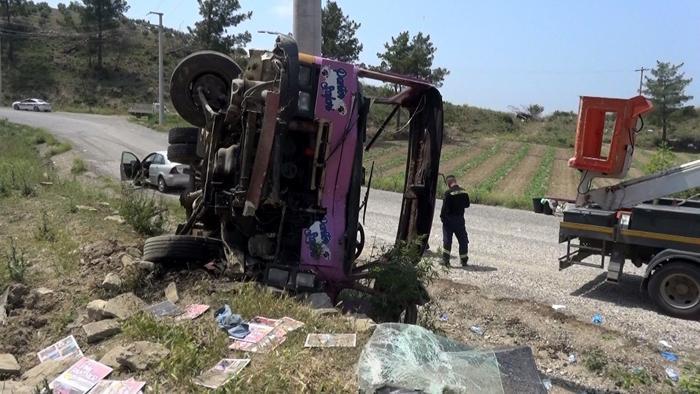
[307, 26]
[161, 106]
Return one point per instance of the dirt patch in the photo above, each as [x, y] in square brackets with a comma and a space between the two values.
[554, 337]
[517, 181]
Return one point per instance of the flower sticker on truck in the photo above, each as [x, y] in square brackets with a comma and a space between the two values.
[333, 89]
[317, 238]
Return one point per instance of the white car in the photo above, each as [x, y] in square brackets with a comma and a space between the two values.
[32, 104]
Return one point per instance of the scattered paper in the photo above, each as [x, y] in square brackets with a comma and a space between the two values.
[558, 307]
[80, 377]
[665, 344]
[289, 324]
[64, 348]
[277, 336]
[331, 340]
[257, 332]
[193, 311]
[164, 308]
[130, 386]
[221, 373]
[265, 321]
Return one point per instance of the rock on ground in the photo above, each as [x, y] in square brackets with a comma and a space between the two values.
[320, 300]
[96, 310]
[128, 261]
[116, 218]
[48, 370]
[8, 364]
[171, 293]
[99, 330]
[110, 358]
[112, 282]
[123, 306]
[146, 265]
[142, 355]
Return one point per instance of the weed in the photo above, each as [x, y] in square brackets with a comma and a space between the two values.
[58, 148]
[143, 212]
[628, 379]
[45, 232]
[78, 166]
[28, 190]
[401, 280]
[595, 360]
[16, 263]
[690, 378]
[662, 159]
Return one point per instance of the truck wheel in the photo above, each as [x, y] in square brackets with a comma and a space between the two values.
[183, 135]
[181, 248]
[183, 153]
[676, 289]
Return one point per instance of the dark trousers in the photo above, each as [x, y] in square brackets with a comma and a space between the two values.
[454, 225]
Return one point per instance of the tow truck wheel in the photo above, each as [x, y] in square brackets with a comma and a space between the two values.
[675, 288]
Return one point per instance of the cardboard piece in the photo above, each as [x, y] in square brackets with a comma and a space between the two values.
[331, 340]
[193, 311]
[64, 348]
[80, 377]
[221, 373]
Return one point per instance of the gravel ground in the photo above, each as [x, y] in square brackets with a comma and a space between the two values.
[514, 254]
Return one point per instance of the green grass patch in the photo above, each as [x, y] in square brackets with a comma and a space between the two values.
[170, 120]
[595, 360]
[79, 166]
[487, 185]
[143, 211]
[540, 182]
[690, 378]
[629, 379]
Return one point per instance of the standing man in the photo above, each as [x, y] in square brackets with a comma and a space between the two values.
[452, 215]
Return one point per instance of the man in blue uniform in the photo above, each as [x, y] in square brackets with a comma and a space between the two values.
[452, 215]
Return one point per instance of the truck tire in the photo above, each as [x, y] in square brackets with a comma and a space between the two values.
[183, 135]
[181, 248]
[675, 288]
[183, 153]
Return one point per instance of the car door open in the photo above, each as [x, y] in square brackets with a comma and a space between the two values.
[130, 168]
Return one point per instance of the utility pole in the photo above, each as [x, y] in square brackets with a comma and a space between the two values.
[1, 98]
[160, 66]
[641, 77]
[307, 26]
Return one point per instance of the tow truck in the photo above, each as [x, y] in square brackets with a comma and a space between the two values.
[634, 220]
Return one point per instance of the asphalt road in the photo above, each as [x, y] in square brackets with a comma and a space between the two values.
[513, 253]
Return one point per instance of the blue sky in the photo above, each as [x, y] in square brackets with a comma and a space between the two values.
[503, 53]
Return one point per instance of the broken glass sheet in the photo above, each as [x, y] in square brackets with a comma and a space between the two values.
[411, 358]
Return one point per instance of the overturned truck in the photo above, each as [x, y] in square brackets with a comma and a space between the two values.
[276, 158]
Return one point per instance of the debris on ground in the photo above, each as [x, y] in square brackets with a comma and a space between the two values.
[325, 312]
[193, 311]
[115, 218]
[123, 306]
[670, 356]
[8, 365]
[103, 329]
[319, 301]
[477, 330]
[66, 347]
[547, 383]
[331, 340]
[443, 317]
[3, 305]
[572, 358]
[257, 331]
[221, 373]
[142, 355]
[672, 374]
[414, 359]
[597, 319]
[276, 335]
[129, 386]
[232, 323]
[171, 293]
[164, 309]
[558, 307]
[665, 345]
[80, 377]
[85, 208]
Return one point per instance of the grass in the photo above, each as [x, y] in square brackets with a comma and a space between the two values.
[15, 262]
[170, 120]
[629, 379]
[484, 189]
[595, 360]
[290, 368]
[79, 166]
[540, 182]
[690, 378]
[146, 214]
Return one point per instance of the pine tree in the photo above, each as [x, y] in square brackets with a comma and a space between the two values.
[338, 33]
[667, 91]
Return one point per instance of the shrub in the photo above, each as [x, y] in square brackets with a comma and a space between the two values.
[663, 159]
[143, 212]
[16, 264]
